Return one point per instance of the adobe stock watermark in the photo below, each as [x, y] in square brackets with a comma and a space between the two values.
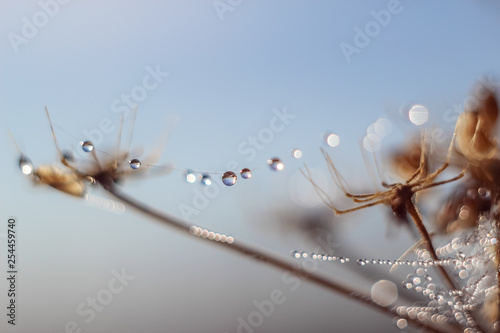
[363, 37]
[125, 103]
[291, 283]
[31, 26]
[248, 148]
[225, 6]
[88, 309]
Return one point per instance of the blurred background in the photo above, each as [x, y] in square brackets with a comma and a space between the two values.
[234, 83]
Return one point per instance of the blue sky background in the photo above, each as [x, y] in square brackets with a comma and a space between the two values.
[226, 76]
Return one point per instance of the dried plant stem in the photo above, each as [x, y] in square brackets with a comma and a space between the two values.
[412, 210]
[269, 259]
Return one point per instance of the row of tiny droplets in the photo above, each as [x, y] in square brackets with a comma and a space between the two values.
[211, 235]
[421, 283]
[316, 256]
[228, 178]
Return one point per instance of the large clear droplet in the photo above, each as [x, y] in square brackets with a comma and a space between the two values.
[229, 178]
[246, 173]
[401, 323]
[418, 114]
[275, 164]
[190, 176]
[332, 140]
[297, 153]
[87, 146]
[135, 163]
[206, 180]
[25, 165]
[384, 292]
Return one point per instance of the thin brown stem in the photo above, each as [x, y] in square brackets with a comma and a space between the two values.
[267, 258]
[412, 210]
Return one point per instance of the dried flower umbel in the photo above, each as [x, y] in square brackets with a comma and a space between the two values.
[470, 300]
[399, 196]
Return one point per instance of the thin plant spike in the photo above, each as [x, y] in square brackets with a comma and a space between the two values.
[412, 248]
[420, 168]
[118, 144]
[322, 195]
[338, 178]
[63, 159]
[436, 173]
[16, 145]
[329, 203]
[426, 186]
[132, 125]
[160, 145]
[369, 170]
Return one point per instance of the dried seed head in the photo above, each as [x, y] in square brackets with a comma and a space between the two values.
[67, 182]
[476, 127]
[407, 160]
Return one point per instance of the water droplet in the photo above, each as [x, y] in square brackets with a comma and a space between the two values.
[206, 180]
[190, 176]
[484, 193]
[419, 115]
[135, 163]
[384, 292]
[25, 165]
[246, 173]
[87, 146]
[229, 178]
[401, 323]
[297, 153]
[275, 164]
[333, 140]
[91, 180]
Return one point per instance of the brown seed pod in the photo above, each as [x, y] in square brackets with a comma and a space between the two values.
[476, 128]
[407, 160]
[68, 182]
[71, 180]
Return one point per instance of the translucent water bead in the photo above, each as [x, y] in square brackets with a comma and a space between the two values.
[25, 165]
[275, 164]
[190, 176]
[206, 180]
[246, 173]
[229, 178]
[135, 163]
[87, 146]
